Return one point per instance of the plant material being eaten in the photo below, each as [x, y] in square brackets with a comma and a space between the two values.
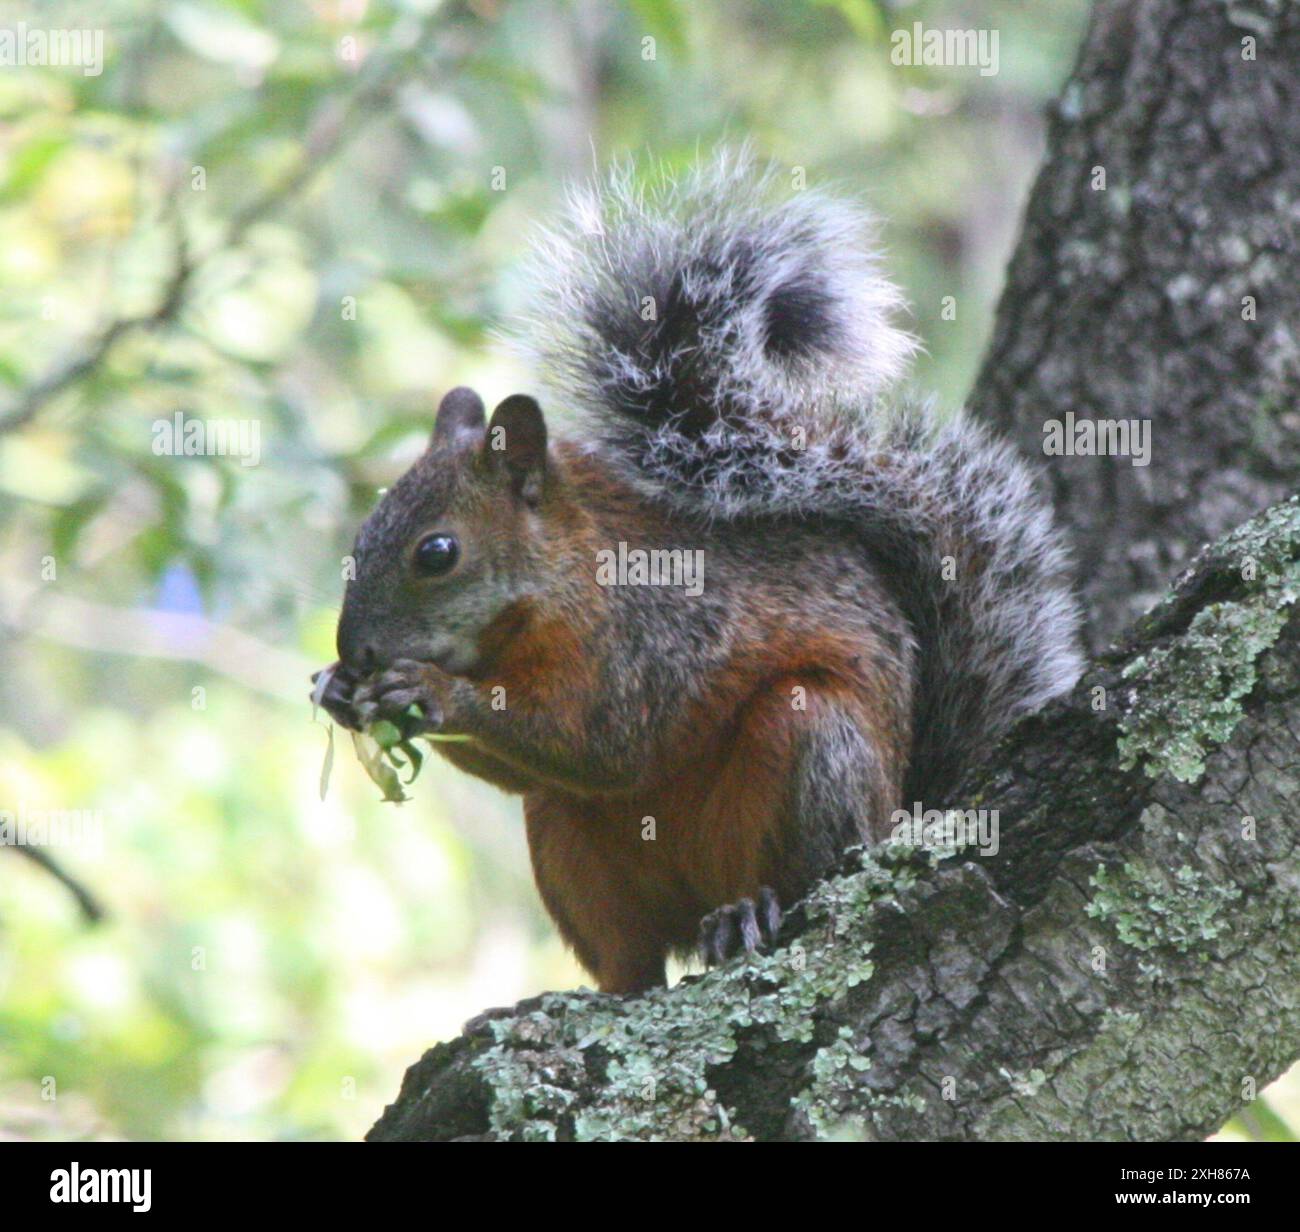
[385, 750]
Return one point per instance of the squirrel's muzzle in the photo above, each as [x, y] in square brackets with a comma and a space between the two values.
[355, 650]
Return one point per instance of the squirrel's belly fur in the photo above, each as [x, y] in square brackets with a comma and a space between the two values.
[883, 590]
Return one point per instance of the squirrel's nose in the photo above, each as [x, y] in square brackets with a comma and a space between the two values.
[354, 650]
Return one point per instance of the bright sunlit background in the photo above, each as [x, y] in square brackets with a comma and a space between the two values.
[307, 216]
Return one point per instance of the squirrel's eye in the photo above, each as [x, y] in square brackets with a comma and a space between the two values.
[436, 554]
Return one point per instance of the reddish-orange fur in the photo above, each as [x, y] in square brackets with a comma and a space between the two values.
[629, 878]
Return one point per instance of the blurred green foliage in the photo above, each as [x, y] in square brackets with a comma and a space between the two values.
[307, 215]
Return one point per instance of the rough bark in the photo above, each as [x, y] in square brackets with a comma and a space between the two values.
[1128, 965]
[1130, 301]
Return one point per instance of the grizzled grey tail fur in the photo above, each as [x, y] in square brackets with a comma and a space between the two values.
[730, 344]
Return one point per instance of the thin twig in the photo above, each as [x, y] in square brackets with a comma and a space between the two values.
[89, 904]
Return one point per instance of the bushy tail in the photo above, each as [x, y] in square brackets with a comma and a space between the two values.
[728, 340]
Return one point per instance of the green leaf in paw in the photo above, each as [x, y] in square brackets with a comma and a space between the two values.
[385, 734]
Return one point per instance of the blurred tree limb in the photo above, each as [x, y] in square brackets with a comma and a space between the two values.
[91, 909]
[338, 119]
[1129, 965]
[252, 663]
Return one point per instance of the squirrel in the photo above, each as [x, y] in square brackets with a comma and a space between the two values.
[882, 591]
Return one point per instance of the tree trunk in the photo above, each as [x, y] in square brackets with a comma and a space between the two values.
[1169, 295]
[1128, 964]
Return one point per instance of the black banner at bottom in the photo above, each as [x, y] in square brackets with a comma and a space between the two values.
[136, 1180]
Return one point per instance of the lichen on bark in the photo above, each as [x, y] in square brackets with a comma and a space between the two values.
[653, 1054]
[1186, 697]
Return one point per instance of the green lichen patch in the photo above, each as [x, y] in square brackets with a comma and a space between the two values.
[653, 1053]
[1188, 695]
[828, 1101]
[832, 1103]
[1027, 1084]
[1150, 910]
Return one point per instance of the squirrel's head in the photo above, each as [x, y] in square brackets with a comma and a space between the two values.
[457, 544]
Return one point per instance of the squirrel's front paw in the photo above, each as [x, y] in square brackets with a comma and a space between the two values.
[392, 691]
[743, 926]
[337, 696]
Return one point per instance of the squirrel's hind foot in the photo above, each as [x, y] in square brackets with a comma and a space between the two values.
[740, 927]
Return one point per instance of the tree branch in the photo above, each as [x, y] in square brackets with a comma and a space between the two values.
[91, 909]
[155, 634]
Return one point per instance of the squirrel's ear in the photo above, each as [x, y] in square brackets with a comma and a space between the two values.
[460, 416]
[516, 443]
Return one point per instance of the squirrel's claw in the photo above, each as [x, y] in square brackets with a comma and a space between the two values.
[391, 694]
[740, 927]
[337, 697]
